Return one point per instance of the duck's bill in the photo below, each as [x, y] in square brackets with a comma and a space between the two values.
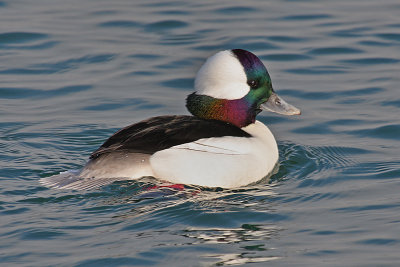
[278, 105]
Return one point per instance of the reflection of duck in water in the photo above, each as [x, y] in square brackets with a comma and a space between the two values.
[221, 145]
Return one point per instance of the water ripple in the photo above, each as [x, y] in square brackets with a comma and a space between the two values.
[235, 10]
[43, 234]
[334, 51]
[115, 261]
[389, 36]
[39, 46]
[23, 93]
[391, 131]
[317, 70]
[286, 38]
[374, 43]
[308, 17]
[320, 163]
[20, 37]
[60, 66]
[165, 25]
[285, 57]
[180, 39]
[371, 61]
[120, 24]
[181, 84]
[350, 33]
[394, 103]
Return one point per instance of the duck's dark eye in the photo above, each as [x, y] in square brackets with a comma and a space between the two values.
[253, 84]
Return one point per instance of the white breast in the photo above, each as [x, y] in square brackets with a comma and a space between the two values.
[219, 162]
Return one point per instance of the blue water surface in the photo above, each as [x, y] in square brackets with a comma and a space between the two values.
[73, 72]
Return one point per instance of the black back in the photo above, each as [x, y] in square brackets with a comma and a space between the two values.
[158, 133]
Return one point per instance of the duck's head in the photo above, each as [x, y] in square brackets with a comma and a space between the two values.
[234, 86]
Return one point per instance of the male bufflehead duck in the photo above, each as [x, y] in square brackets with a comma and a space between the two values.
[221, 145]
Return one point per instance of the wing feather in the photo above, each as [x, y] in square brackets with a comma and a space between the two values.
[158, 133]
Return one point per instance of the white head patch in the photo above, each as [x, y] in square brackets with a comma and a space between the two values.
[222, 76]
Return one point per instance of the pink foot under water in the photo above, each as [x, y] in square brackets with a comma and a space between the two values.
[179, 187]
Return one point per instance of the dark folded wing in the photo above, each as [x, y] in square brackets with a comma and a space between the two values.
[158, 133]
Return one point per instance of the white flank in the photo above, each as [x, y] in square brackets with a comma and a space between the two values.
[219, 162]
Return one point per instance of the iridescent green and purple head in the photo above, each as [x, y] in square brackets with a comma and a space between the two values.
[234, 86]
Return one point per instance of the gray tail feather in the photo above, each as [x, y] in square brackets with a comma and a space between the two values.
[71, 180]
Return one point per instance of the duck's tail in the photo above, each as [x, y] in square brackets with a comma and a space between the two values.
[72, 180]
